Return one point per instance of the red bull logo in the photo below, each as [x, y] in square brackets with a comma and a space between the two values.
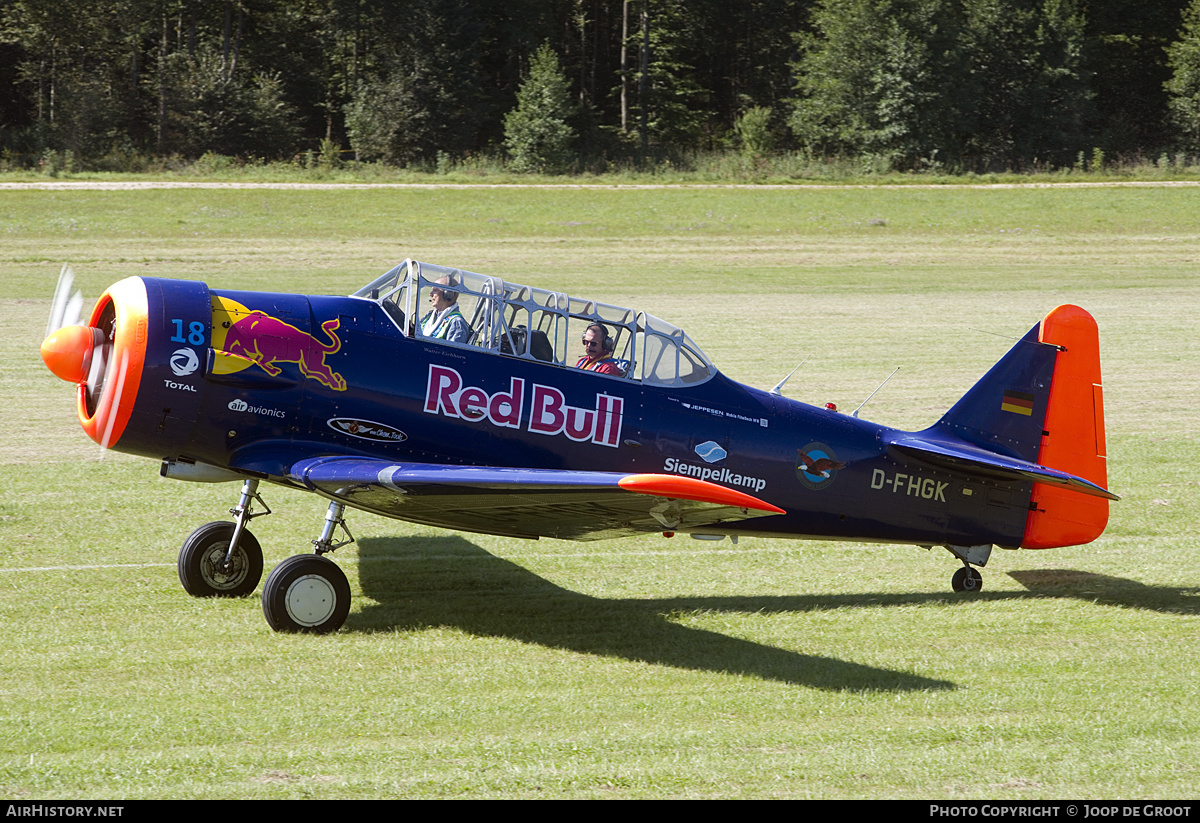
[549, 413]
[242, 338]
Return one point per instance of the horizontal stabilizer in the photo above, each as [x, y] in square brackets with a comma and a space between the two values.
[573, 505]
[963, 456]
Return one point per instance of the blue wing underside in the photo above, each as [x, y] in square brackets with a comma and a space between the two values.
[529, 503]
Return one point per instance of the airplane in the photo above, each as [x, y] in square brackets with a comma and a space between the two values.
[453, 399]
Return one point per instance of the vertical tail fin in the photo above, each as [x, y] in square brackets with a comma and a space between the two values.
[1005, 410]
[1073, 437]
[1042, 403]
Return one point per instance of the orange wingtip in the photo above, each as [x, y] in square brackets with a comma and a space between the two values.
[690, 488]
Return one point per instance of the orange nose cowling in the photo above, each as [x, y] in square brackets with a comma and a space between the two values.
[68, 352]
[105, 400]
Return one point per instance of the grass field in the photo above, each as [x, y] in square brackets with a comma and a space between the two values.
[485, 667]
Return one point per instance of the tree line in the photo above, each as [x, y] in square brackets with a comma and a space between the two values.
[556, 85]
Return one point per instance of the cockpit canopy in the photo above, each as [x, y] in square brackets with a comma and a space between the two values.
[536, 324]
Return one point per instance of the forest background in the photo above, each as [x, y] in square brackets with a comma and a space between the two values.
[593, 86]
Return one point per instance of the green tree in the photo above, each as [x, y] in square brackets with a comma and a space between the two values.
[420, 92]
[1183, 56]
[1030, 95]
[211, 108]
[537, 133]
[980, 82]
[874, 77]
[670, 104]
[1125, 55]
[756, 133]
[78, 68]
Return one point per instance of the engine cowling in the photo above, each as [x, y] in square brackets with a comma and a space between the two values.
[139, 357]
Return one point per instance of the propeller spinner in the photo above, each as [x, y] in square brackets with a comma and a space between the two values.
[103, 358]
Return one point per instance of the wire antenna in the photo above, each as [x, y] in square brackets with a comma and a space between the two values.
[872, 394]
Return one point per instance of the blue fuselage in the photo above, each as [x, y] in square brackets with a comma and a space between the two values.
[294, 377]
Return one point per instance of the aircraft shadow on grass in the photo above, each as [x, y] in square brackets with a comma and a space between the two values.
[1106, 590]
[449, 581]
[1100, 589]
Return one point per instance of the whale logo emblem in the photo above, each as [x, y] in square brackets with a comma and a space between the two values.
[710, 452]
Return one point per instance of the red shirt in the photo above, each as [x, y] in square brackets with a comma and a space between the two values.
[605, 366]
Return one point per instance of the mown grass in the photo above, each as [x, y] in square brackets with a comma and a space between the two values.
[483, 667]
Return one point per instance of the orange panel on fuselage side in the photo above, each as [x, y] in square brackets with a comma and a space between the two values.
[1073, 436]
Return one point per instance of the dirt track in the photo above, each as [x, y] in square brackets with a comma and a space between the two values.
[100, 185]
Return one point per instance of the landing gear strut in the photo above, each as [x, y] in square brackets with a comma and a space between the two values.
[308, 592]
[224, 559]
[968, 578]
[305, 593]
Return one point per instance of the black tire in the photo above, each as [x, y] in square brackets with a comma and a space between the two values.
[203, 553]
[306, 593]
[967, 579]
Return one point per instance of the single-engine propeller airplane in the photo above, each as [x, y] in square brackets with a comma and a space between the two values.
[453, 399]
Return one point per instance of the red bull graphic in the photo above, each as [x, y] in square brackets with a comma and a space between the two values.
[242, 338]
[549, 412]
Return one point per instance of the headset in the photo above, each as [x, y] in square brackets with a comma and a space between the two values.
[607, 343]
[447, 289]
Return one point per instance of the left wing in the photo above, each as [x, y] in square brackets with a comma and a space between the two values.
[573, 505]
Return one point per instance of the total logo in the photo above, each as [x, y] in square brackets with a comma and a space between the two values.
[243, 406]
[184, 362]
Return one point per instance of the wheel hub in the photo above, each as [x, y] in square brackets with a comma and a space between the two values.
[221, 572]
[310, 600]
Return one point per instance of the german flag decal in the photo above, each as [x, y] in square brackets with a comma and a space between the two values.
[1018, 402]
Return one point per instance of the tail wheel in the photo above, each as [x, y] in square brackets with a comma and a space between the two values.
[967, 579]
[202, 567]
[306, 593]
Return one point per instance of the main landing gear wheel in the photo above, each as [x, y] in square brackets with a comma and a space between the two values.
[306, 593]
[202, 567]
[967, 579]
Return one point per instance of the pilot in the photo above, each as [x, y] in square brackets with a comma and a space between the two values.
[445, 321]
[598, 347]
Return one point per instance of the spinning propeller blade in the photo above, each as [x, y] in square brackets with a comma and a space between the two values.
[80, 353]
[67, 305]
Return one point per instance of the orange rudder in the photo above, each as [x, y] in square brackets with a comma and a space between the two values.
[1072, 437]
